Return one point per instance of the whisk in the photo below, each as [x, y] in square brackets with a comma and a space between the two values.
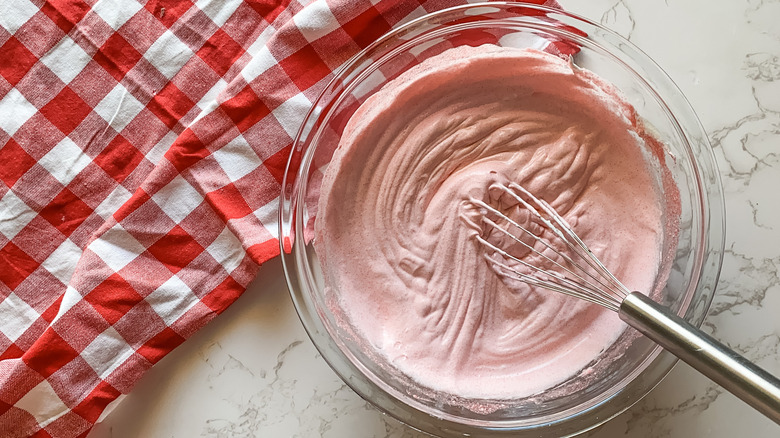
[575, 271]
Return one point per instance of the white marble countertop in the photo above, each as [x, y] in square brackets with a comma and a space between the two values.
[253, 372]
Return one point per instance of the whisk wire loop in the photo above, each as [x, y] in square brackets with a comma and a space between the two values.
[577, 285]
[503, 231]
[566, 286]
[579, 273]
[572, 241]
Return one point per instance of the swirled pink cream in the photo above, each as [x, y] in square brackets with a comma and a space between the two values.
[405, 269]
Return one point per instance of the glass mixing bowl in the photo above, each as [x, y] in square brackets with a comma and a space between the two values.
[575, 405]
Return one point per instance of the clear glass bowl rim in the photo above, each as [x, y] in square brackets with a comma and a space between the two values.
[712, 209]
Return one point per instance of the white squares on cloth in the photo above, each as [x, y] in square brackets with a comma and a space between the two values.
[158, 151]
[261, 40]
[65, 161]
[177, 199]
[43, 403]
[291, 112]
[227, 250]
[69, 299]
[14, 215]
[267, 215]
[119, 107]
[116, 248]
[116, 12]
[172, 300]
[237, 159]
[62, 262]
[218, 10]
[316, 20]
[14, 111]
[168, 54]
[107, 352]
[17, 316]
[208, 102]
[66, 59]
[260, 63]
[119, 196]
[14, 13]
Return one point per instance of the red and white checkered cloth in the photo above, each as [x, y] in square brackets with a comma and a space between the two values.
[142, 151]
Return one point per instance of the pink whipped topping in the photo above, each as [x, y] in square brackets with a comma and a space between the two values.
[404, 267]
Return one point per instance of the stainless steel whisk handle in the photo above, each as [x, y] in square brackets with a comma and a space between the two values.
[724, 366]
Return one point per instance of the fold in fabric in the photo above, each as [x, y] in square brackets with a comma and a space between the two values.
[144, 146]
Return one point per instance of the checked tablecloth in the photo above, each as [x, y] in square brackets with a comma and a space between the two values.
[142, 146]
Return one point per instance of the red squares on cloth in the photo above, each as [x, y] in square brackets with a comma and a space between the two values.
[156, 348]
[119, 158]
[4, 407]
[49, 354]
[66, 212]
[176, 249]
[277, 162]
[11, 352]
[137, 199]
[245, 109]
[269, 9]
[15, 265]
[186, 151]
[366, 27]
[264, 251]
[15, 60]
[117, 56]
[229, 202]
[223, 295]
[220, 52]
[170, 105]
[66, 111]
[99, 398]
[168, 11]
[305, 67]
[15, 162]
[51, 312]
[113, 298]
[65, 13]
